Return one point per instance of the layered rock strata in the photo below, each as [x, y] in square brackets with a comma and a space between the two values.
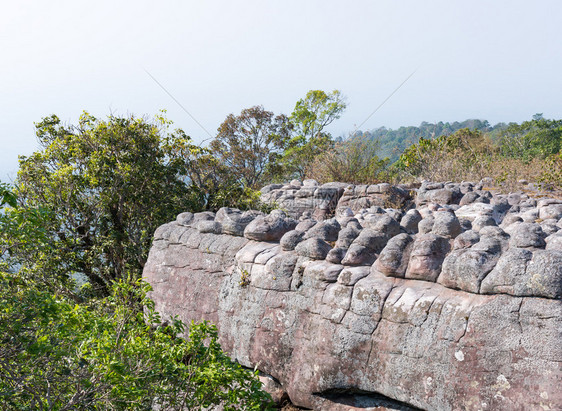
[346, 300]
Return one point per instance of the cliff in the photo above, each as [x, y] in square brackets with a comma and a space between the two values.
[444, 297]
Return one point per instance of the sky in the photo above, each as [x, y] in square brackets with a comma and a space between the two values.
[500, 61]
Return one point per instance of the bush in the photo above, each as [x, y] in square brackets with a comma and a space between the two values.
[109, 355]
[352, 161]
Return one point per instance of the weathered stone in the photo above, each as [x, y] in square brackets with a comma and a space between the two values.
[184, 218]
[550, 211]
[314, 248]
[336, 255]
[333, 336]
[483, 221]
[393, 259]
[465, 269]
[346, 237]
[350, 275]
[326, 230]
[410, 221]
[427, 256]
[425, 226]
[269, 228]
[383, 223]
[446, 224]
[526, 235]
[290, 239]
[466, 240]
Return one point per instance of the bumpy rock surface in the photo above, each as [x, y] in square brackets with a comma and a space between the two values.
[454, 304]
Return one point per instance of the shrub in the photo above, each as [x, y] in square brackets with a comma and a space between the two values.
[110, 355]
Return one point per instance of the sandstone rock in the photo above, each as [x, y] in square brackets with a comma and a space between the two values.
[410, 221]
[425, 226]
[483, 221]
[464, 269]
[314, 248]
[269, 228]
[446, 224]
[209, 227]
[335, 336]
[184, 218]
[426, 258]
[326, 230]
[383, 223]
[520, 272]
[551, 211]
[526, 235]
[350, 275]
[393, 259]
[466, 240]
[346, 237]
[290, 239]
[554, 241]
[336, 255]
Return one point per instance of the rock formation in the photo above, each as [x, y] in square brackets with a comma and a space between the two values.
[443, 297]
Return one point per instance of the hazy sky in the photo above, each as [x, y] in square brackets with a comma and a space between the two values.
[497, 60]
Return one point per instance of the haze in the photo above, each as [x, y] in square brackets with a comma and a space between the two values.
[498, 61]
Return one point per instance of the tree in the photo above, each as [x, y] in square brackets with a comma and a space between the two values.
[103, 188]
[250, 145]
[55, 355]
[538, 137]
[310, 118]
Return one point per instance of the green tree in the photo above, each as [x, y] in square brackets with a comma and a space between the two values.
[310, 117]
[538, 137]
[110, 355]
[250, 145]
[102, 187]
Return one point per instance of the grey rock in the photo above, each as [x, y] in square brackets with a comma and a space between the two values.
[526, 235]
[290, 239]
[465, 269]
[336, 255]
[269, 228]
[184, 218]
[427, 255]
[483, 221]
[466, 240]
[410, 221]
[347, 236]
[326, 230]
[383, 223]
[446, 224]
[551, 211]
[314, 248]
[425, 226]
[209, 227]
[393, 259]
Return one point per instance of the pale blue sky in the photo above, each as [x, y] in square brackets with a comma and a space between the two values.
[494, 60]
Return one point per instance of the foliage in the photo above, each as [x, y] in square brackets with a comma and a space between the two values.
[551, 175]
[464, 154]
[102, 188]
[310, 117]
[250, 145]
[538, 137]
[354, 161]
[55, 355]
[394, 142]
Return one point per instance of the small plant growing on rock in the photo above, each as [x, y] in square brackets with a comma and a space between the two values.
[244, 278]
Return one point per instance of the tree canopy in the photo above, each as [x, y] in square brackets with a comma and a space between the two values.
[251, 144]
[102, 187]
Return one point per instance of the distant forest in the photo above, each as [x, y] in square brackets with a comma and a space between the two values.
[394, 142]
